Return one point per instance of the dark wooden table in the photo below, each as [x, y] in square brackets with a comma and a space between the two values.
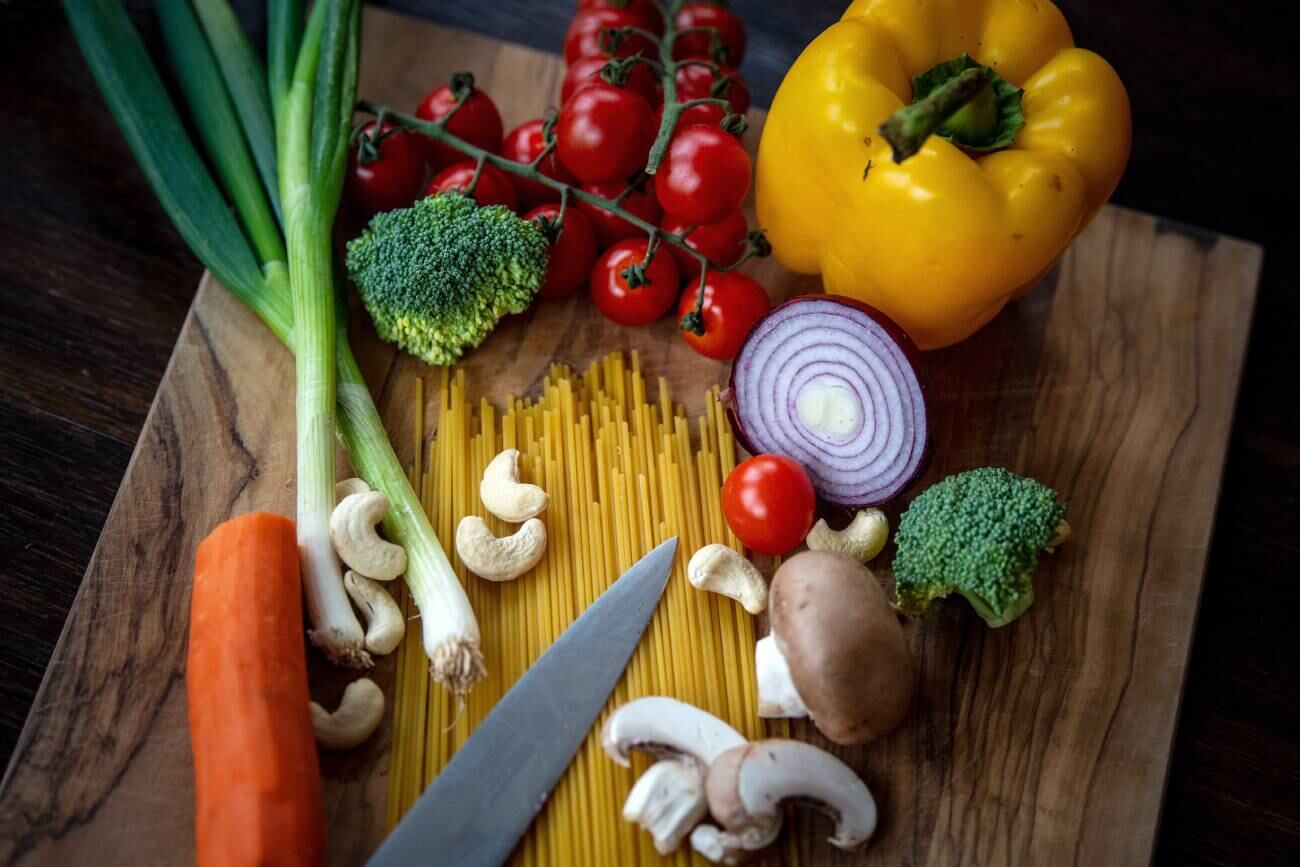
[1215, 147]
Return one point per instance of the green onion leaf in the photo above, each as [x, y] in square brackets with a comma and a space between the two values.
[153, 130]
[218, 127]
[246, 81]
[283, 36]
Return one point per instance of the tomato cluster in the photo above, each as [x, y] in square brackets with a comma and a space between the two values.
[599, 143]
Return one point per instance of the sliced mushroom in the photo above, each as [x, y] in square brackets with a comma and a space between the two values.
[845, 653]
[745, 787]
[667, 801]
[666, 728]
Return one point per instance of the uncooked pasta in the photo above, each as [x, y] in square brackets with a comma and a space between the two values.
[623, 475]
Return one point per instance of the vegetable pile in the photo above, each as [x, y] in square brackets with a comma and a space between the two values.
[632, 189]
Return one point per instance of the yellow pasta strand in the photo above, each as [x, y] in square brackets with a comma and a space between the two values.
[623, 475]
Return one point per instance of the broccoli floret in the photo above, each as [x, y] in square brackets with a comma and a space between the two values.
[978, 533]
[437, 277]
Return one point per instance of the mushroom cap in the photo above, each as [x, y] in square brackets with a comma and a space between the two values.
[845, 647]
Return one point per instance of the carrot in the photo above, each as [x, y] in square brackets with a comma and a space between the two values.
[256, 776]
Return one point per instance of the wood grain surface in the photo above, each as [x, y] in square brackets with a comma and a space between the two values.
[1047, 741]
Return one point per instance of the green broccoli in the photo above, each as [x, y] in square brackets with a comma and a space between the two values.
[436, 277]
[978, 533]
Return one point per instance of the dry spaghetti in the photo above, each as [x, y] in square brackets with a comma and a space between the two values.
[622, 476]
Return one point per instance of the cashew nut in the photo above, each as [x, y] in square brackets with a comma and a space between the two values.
[349, 486]
[862, 540]
[357, 717]
[723, 570]
[504, 496]
[352, 529]
[385, 625]
[1062, 533]
[668, 801]
[499, 559]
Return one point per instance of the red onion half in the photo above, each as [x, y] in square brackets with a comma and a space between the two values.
[829, 382]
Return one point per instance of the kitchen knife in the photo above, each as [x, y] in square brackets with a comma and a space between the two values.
[478, 807]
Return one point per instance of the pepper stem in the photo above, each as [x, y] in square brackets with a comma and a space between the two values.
[970, 94]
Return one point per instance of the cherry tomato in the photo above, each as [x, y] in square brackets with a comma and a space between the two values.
[730, 28]
[611, 229]
[696, 82]
[477, 122]
[522, 145]
[605, 132]
[732, 304]
[619, 301]
[583, 38]
[391, 181]
[645, 8]
[722, 242]
[493, 186]
[586, 70]
[571, 254]
[706, 115]
[704, 176]
[769, 503]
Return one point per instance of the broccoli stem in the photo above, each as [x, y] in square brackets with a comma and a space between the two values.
[667, 67]
[311, 279]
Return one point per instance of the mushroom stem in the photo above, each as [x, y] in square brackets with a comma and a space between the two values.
[777, 695]
[667, 801]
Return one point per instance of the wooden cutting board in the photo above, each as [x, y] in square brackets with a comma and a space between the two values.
[1046, 742]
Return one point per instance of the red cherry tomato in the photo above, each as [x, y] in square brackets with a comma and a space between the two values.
[619, 301]
[390, 181]
[732, 304]
[696, 82]
[586, 70]
[611, 229]
[722, 242]
[704, 176]
[477, 122]
[583, 38]
[730, 28]
[571, 254]
[605, 132]
[645, 8]
[706, 115]
[493, 186]
[522, 145]
[769, 503]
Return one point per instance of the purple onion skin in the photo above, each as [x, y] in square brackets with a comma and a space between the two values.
[899, 336]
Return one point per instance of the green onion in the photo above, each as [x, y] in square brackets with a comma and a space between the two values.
[309, 118]
[216, 74]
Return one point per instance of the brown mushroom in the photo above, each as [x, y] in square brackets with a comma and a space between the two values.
[842, 643]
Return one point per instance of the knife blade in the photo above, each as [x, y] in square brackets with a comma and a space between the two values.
[483, 801]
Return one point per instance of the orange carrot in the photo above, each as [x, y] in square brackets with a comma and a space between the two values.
[256, 776]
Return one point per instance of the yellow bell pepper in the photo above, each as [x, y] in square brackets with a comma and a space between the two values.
[943, 240]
